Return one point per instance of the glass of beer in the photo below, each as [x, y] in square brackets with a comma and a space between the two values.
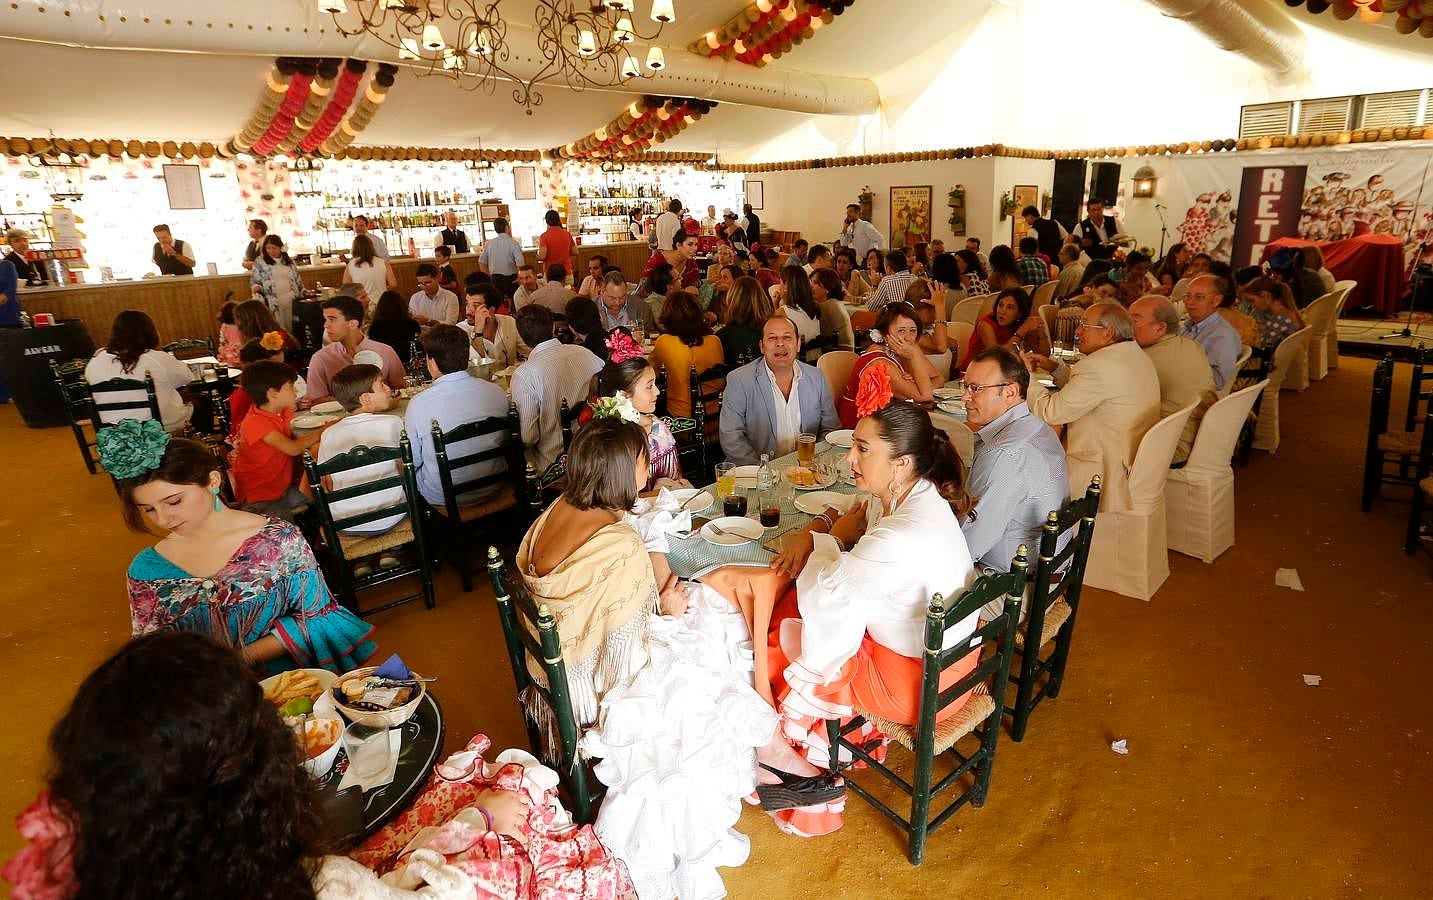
[725, 479]
[806, 449]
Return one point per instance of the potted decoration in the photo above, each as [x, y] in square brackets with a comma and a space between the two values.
[867, 201]
[1046, 201]
[1007, 205]
[956, 201]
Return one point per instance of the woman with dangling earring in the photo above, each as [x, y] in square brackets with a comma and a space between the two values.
[852, 631]
[248, 581]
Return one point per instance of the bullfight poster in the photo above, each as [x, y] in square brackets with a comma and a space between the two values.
[910, 215]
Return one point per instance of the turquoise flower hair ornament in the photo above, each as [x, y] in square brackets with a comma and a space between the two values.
[132, 447]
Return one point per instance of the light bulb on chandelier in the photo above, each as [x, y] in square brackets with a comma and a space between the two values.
[586, 43]
[630, 69]
[432, 37]
[663, 11]
[655, 59]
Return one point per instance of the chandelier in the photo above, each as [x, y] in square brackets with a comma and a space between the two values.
[304, 173]
[583, 43]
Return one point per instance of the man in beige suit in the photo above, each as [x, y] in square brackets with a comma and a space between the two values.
[1108, 400]
[1184, 373]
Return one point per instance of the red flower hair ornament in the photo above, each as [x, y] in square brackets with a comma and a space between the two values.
[621, 347]
[874, 390]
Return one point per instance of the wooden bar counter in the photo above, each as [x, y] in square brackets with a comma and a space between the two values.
[188, 306]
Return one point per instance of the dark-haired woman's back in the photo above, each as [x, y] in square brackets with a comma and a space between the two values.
[169, 376]
[396, 333]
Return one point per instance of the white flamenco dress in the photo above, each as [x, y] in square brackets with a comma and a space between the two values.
[677, 740]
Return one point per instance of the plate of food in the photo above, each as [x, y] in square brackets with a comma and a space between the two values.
[732, 531]
[413, 390]
[302, 700]
[693, 500]
[952, 408]
[843, 438]
[814, 503]
[328, 408]
[312, 421]
[361, 694]
[806, 479]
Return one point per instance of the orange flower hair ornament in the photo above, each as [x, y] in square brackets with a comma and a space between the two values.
[272, 340]
[874, 390]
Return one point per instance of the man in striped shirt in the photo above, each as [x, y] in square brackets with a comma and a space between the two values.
[553, 372]
[893, 286]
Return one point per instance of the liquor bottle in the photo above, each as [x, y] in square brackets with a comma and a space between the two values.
[765, 478]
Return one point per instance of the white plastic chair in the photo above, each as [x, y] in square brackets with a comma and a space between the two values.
[968, 310]
[1044, 294]
[1319, 316]
[959, 334]
[1048, 314]
[1223, 392]
[1346, 287]
[1199, 498]
[1266, 432]
[1130, 552]
[836, 366]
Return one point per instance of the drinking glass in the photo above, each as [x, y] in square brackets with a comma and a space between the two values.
[366, 743]
[805, 449]
[770, 507]
[725, 479]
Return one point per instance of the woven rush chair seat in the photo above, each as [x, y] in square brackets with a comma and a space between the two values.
[947, 732]
[356, 545]
[1401, 442]
[505, 498]
[1056, 615]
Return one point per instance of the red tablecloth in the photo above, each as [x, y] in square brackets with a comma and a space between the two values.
[1375, 261]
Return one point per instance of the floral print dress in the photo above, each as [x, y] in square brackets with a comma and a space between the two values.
[271, 585]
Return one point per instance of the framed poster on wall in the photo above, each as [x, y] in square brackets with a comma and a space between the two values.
[1024, 195]
[184, 186]
[910, 215]
[756, 194]
[524, 182]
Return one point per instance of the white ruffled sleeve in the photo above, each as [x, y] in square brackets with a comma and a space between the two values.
[835, 593]
[656, 519]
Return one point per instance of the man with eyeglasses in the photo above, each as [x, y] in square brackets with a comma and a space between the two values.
[1107, 400]
[1018, 473]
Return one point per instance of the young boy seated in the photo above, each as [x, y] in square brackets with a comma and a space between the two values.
[239, 402]
[262, 467]
[365, 395]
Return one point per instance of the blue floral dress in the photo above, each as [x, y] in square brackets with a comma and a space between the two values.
[271, 585]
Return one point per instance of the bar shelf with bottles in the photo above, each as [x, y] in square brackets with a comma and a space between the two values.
[394, 215]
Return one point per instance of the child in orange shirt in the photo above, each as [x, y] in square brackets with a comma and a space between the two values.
[263, 462]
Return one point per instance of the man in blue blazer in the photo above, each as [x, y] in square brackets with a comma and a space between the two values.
[769, 401]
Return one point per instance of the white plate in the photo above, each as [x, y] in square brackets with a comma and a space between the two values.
[952, 408]
[739, 530]
[814, 503]
[822, 481]
[312, 421]
[324, 676]
[327, 407]
[843, 438]
[747, 475]
[703, 502]
[947, 393]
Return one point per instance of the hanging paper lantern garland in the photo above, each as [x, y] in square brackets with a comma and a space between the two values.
[293, 103]
[319, 93]
[1410, 15]
[650, 120]
[276, 88]
[338, 105]
[769, 28]
[336, 141]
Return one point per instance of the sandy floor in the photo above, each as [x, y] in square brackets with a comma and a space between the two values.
[1240, 781]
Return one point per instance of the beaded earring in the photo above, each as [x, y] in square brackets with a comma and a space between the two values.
[218, 505]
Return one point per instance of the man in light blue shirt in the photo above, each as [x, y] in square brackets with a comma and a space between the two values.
[501, 257]
[858, 234]
[1018, 475]
[1210, 330]
[454, 398]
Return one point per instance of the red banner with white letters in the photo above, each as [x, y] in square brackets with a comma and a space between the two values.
[1270, 204]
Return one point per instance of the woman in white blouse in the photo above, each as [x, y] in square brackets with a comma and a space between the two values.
[132, 352]
[370, 270]
[854, 632]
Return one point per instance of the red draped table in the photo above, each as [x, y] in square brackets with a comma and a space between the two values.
[1375, 261]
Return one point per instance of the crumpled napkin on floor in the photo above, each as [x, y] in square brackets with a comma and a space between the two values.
[1288, 578]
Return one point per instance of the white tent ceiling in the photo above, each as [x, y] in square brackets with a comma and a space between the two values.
[84, 91]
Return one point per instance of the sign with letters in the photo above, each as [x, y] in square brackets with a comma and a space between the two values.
[1270, 205]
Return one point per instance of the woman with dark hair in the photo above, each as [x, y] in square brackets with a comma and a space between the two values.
[634, 224]
[864, 579]
[1009, 324]
[368, 268]
[798, 305]
[767, 271]
[247, 581]
[393, 325]
[1270, 303]
[919, 263]
[894, 346]
[175, 777]
[629, 380]
[555, 246]
[1171, 267]
[275, 279]
[132, 352]
[639, 683]
[686, 341]
[1004, 272]
[748, 306]
[254, 319]
[830, 297]
[972, 272]
[945, 272]
[230, 341]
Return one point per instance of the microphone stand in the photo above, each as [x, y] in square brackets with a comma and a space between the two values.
[1163, 229]
[1406, 331]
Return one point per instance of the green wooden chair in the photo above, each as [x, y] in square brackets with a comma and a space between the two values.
[979, 718]
[341, 549]
[530, 633]
[706, 389]
[1390, 456]
[70, 381]
[1419, 529]
[101, 400]
[516, 481]
[1052, 601]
